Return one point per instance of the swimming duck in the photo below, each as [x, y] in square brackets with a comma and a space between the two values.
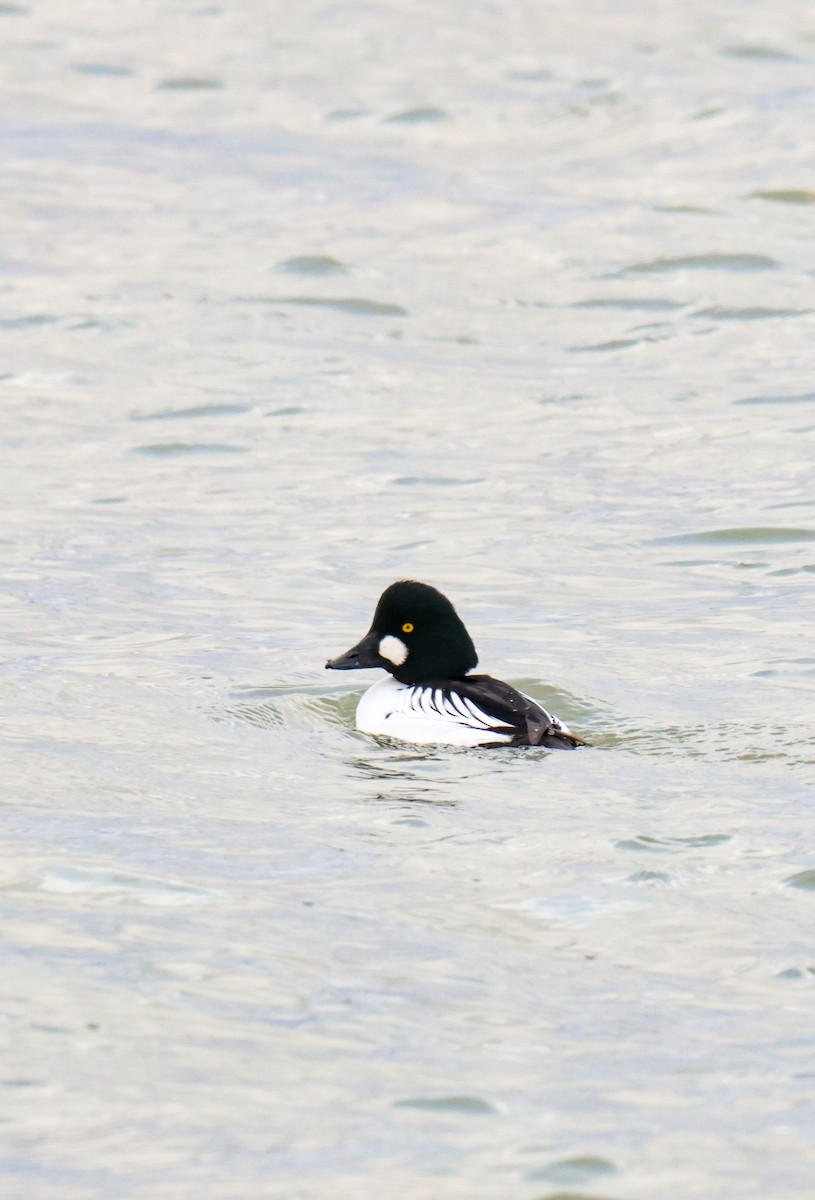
[429, 695]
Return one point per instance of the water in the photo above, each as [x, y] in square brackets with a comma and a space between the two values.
[515, 300]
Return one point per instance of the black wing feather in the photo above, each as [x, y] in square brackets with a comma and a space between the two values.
[529, 723]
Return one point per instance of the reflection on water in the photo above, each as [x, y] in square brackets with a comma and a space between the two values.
[514, 300]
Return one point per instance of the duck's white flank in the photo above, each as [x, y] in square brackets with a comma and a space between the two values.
[424, 714]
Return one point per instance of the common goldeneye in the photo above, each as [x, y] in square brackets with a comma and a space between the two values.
[428, 694]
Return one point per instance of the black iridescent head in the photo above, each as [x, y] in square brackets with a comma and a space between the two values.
[416, 634]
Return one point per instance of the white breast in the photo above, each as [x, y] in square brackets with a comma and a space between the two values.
[423, 714]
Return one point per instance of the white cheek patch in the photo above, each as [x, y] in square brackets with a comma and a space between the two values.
[393, 649]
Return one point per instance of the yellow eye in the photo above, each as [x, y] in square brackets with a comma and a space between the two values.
[407, 627]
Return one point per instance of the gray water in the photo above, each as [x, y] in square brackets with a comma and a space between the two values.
[518, 300]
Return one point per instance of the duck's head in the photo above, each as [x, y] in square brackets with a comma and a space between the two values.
[416, 634]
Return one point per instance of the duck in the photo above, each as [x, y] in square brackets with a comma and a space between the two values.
[429, 694]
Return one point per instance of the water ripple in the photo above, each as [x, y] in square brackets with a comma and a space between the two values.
[705, 262]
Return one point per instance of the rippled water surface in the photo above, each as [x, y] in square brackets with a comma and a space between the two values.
[518, 300]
